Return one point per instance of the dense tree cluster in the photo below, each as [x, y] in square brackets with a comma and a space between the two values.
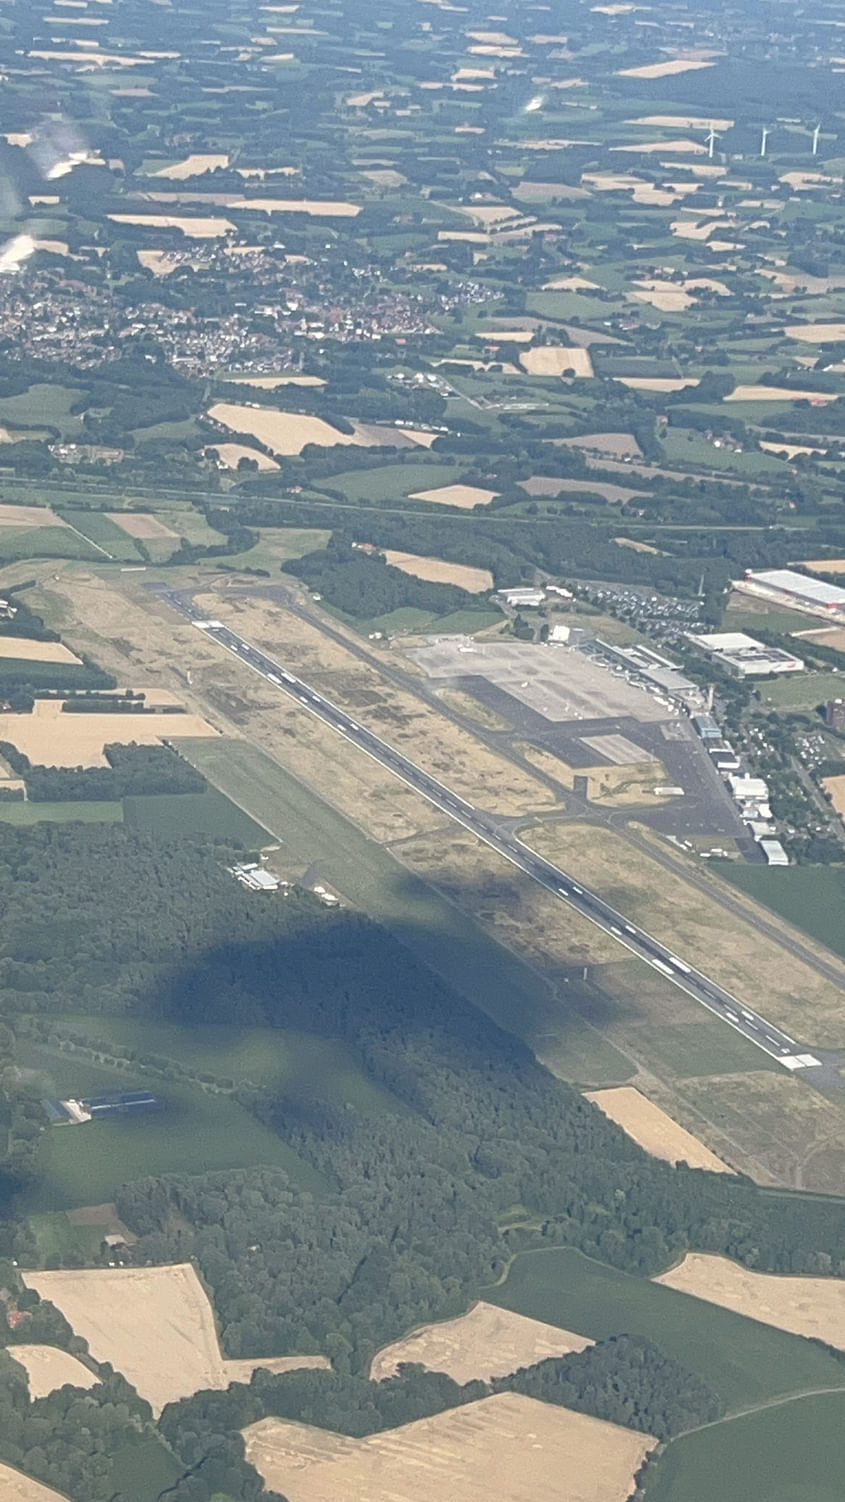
[132, 771]
[364, 584]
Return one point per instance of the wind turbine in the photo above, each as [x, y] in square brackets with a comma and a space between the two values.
[712, 138]
[816, 133]
[764, 138]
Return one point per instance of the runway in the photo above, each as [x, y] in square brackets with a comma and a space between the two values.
[756, 1028]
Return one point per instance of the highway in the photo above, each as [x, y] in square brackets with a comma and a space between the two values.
[756, 1028]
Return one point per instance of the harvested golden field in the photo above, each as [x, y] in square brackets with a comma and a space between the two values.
[140, 524]
[283, 432]
[478, 1453]
[462, 575]
[790, 450]
[231, 454]
[669, 148]
[779, 394]
[52, 739]
[693, 924]
[666, 69]
[666, 296]
[488, 213]
[836, 787]
[812, 1307]
[683, 122]
[278, 378]
[28, 516]
[487, 1342]
[554, 360]
[653, 1129]
[316, 208]
[193, 165]
[207, 228]
[288, 433]
[816, 333]
[694, 229]
[153, 1324]
[657, 383]
[47, 1368]
[570, 284]
[829, 636]
[15, 1487]
[462, 496]
[35, 651]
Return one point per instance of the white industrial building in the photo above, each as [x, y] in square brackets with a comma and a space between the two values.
[744, 656]
[774, 852]
[785, 587]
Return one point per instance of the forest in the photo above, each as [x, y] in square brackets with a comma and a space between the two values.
[132, 771]
[364, 584]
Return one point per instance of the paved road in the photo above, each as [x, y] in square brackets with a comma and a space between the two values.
[757, 1029]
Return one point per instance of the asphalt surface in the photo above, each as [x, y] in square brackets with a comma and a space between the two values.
[756, 1028]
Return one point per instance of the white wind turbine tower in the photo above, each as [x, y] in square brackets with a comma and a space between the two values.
[764, 138]
[816, 133]
[712, 138]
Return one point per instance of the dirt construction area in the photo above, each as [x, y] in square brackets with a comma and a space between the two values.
[153, 1324]
[697, 927]
[487, 1342]
[502, 1449]
[813, 1307]
[653, 1129]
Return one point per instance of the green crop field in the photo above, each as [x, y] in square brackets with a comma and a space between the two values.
[44, 542]
[390, 482]
[211, 813]
[25, 814]
[301, 1065]
[447, 940]
[802, 690]
[103, 533]
[194, 1132]
[790, 1453]
[743, 1361]
[812, 897]
[42, 404]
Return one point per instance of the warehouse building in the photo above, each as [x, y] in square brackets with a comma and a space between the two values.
[744, 656]
[784, 587]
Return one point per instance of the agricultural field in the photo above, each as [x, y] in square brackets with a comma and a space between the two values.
[210, 812]
[811, 897]
[47, 1368]
[19, 1488]
[153, 1324]
[50, 738]
[745, 1362]
[653, 1129]
[812, 1307]
[784, 1452]
[484, 1343]
[472, 1453]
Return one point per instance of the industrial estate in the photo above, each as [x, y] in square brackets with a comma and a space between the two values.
[422, 752]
